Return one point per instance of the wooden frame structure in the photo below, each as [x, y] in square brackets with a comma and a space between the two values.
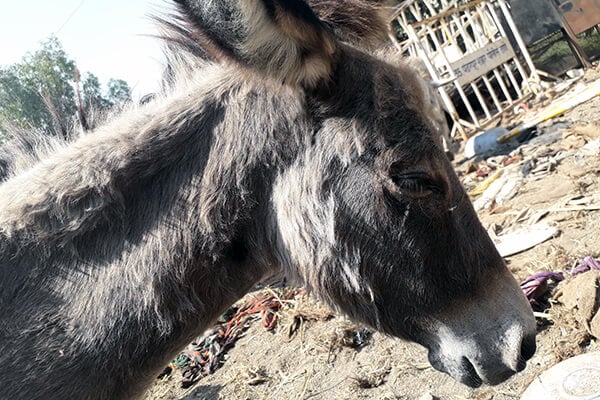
[469, 56]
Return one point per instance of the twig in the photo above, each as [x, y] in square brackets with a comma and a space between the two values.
[305, 386]
[576, 208]
[320, 392]
[277, 297]
[542, 315]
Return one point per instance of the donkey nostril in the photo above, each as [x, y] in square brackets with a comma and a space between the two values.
[472, 378]
[521, 365]
[527, 348]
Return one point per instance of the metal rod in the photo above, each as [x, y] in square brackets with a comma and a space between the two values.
[465, 100]
[502, 85]
[532, 72]
[484, 106]
[452, 10]
[492, 92]
[470, 45]
[522, 72]
[512, 79]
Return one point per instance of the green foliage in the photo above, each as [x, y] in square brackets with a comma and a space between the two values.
[91, 91]
[43, 75]
[119, 92]
[117, 95]
[40, 91]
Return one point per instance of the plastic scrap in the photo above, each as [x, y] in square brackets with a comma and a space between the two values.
[536, 285]
[524, 239]
[357, 339]
[205, 355]
[586, 264]
[558, 107]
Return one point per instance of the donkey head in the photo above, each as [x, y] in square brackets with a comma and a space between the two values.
[369, 214]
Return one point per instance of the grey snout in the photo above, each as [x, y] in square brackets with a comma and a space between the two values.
[465, 364]
[495, 374]
[528, 348]
[485, 339]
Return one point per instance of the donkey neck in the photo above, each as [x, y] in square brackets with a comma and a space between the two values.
[149, 227]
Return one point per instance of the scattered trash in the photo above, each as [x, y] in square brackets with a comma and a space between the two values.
[550, 134]
[575, 73]
[498, 188]
[483, 142]
[483, 186]
[356, 339]
[586, 264]
[559, 107]
[524, 238]
[205, 355]
[592, 148]
[489, 140]
[536, 285]
[577, 378]
[503, 190]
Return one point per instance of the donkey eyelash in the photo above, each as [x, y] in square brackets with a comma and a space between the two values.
[416, 183]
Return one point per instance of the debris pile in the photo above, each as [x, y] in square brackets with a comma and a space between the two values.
[539, 195]
[581, 295]
[207, 353]
[536, 285]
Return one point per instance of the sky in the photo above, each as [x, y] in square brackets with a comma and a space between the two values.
[110, 38]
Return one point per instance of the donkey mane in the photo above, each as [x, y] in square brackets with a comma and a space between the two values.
[191, 67]
[25, 148]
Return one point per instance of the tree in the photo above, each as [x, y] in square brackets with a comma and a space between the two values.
[40, 91]
[92, 93]
[119, 92]
[11, 95]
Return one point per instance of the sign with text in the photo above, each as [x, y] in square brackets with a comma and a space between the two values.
[482, 61]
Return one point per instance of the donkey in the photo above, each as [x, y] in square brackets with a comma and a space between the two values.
[292, 152]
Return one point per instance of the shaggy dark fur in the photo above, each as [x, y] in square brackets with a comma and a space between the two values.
[362, 23]
[25, 148]
[290, 152]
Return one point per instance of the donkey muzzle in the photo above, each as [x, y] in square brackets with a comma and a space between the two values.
[485, 339]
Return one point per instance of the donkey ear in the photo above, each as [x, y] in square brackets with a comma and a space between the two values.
[362, 23]
[281, 38]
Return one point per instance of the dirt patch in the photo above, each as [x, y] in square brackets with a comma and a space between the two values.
[322, 360]
[315, 354]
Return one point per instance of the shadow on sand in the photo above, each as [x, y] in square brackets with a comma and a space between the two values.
[207, 392]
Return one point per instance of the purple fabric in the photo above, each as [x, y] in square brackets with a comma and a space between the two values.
[536, 285]
[586, 264]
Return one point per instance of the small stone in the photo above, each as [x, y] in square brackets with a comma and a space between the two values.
[571, 379]
[582, 293]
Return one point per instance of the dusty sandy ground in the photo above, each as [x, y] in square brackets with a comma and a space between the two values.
[317, 363]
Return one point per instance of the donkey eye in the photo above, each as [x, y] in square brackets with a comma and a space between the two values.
[416, 184]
